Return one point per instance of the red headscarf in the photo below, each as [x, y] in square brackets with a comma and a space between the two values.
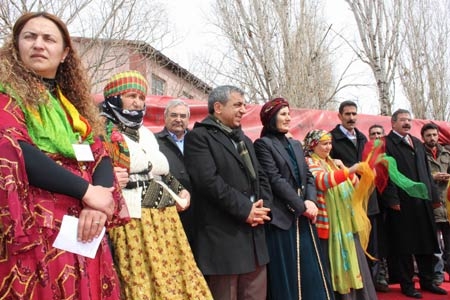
[269, 110]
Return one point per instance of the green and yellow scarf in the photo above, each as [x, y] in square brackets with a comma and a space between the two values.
[56, 125]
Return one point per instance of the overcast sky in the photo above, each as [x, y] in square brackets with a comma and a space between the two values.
[196, 35]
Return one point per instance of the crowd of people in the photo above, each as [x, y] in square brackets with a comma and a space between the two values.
[203, 213]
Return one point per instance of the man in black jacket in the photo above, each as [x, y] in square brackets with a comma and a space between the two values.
[171, 143]
[231, 193]
[348, 145]
[410, 220]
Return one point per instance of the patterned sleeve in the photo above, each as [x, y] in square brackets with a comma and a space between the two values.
[120, 215]
[15, 205]
[326, 179]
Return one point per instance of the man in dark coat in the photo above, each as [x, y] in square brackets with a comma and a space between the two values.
[171, 143]
[348, 145]
[381, 277]
[231, 193]
[410, 220]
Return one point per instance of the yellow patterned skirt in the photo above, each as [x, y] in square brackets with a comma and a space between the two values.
[154, 259]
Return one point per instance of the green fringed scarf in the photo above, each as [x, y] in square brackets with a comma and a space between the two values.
[55, 126]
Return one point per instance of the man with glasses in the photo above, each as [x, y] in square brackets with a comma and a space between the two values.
[171, 143]
[232, 199]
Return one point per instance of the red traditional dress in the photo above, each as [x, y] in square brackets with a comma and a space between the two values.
[30, 218]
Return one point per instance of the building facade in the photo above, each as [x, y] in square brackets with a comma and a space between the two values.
[104, 58]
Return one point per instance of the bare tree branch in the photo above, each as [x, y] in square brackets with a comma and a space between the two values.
[378, 23]
[105, 25]
[278, 48]
[424, 63]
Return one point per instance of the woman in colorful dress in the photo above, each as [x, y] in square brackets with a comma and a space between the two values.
[295, 270]
[336, 224]
[52, 165]
[152, 251]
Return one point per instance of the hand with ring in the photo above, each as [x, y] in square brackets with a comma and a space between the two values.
[90, 224]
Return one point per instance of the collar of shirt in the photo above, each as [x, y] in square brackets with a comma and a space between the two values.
[407, 138]
[398, 134]
[348, 134]
[433, 151]
[178, 142]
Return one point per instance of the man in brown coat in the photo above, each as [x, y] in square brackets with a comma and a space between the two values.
[439, 161]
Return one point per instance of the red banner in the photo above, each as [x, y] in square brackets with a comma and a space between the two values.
[303, 120]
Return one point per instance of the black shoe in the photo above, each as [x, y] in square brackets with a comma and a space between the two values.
[438, 282]
[380, 287]
[413, 293]
[438, 279]
[434, 289]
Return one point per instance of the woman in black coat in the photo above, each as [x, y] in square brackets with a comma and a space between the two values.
[295, 270]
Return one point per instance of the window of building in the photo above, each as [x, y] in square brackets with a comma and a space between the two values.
[187, 95]
[158, 85]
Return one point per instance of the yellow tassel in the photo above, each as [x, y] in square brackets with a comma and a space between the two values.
[360, 200]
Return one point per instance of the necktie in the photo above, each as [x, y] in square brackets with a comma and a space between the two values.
[409, 140]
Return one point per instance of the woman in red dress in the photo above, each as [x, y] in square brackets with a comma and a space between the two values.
[52, 164]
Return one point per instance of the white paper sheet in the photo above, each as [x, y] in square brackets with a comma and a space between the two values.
[83, 152]
[67, 239]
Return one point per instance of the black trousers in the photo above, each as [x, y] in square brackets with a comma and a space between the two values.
[406, 270]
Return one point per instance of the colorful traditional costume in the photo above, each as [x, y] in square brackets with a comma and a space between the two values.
[30, 217]
[336, 224]
[152, 251]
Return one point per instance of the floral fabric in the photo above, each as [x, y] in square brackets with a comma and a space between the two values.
[152, 252]
[156, 261]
